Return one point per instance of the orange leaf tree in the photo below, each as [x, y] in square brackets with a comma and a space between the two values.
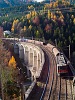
[12, 62]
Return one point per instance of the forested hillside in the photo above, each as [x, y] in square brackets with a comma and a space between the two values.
[9, 3]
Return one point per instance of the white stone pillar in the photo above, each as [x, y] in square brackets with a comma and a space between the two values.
[29, 56]
[21, 52]
[24, 55]
[37, 61]
[40, 59]
[33, 58]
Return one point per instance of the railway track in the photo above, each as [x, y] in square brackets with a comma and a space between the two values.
[52, 77]
[62, 89]
[58, 87]
[65, 89]
[47, 78]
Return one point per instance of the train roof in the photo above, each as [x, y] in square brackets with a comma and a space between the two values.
[55, 51]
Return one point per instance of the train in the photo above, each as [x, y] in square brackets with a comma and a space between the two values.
[61, 61]
[62, 64]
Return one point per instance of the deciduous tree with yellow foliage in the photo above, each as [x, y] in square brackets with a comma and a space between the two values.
[14, 25]
[12, 62]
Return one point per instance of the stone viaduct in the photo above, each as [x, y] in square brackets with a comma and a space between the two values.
[32, 56]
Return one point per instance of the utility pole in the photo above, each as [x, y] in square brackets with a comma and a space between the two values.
[56, 42]
[69, 51]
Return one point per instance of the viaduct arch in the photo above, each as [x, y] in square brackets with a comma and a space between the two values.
[32, 56]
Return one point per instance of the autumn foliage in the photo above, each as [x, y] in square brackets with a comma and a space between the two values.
[1, 32]
[48, 27]
[36, 20]
[12, 62]
[4, 55]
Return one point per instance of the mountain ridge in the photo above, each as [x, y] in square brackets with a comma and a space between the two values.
[8, 3]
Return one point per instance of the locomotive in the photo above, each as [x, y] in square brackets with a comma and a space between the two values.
[62, 65]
